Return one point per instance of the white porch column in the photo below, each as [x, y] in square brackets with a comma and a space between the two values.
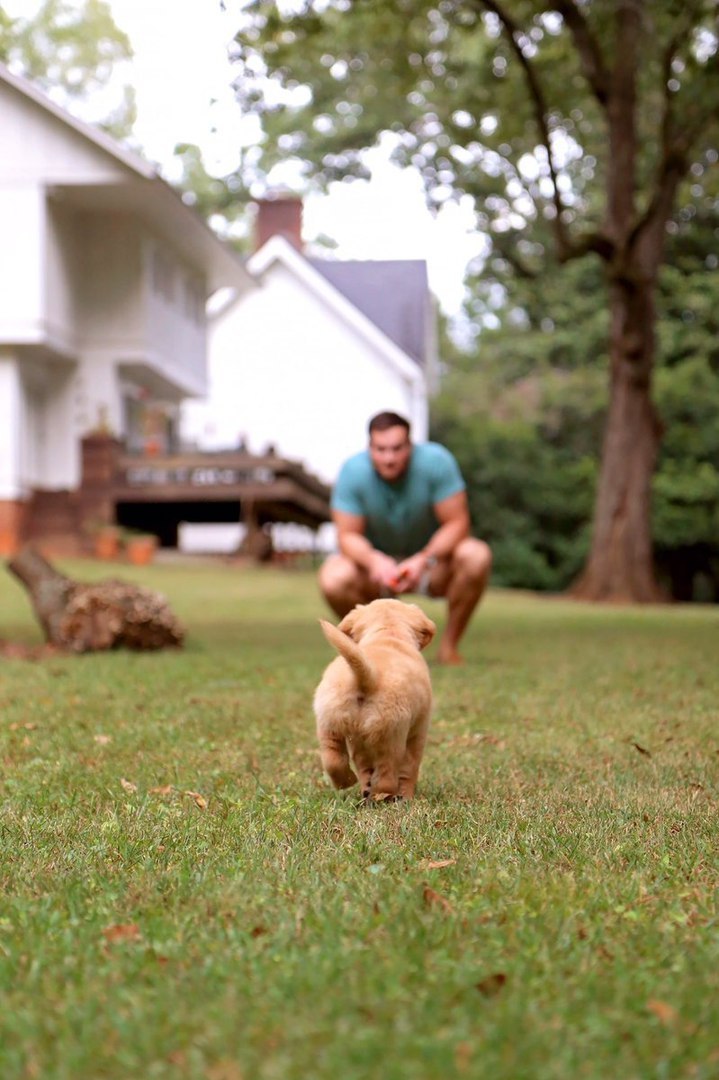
[12, 409]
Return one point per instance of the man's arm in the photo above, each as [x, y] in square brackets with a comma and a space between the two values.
[355, 546]
[453, 516]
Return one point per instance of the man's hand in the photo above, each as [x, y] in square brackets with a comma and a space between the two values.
[383, 570]
[409, 573]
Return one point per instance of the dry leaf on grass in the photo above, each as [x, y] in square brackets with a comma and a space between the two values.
[127, 785]
[199, 800]
[436, 864]
[641, 749]
[491, 984]
[224, 1070]
[434, 899]
[463, 1056]
[165, 789]
[121, 932]
[103, 740]
[664, 1012]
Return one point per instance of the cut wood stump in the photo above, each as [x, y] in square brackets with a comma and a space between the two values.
[82, 617]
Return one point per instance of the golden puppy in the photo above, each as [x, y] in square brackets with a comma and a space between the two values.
[373, 703]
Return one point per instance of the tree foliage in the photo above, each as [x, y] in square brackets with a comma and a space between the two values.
[525, 410]
[572, 125]
[71, 50]
[503, 107]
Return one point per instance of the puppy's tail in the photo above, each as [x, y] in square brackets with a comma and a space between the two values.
[346, 647]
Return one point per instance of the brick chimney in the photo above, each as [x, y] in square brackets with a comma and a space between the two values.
[281, 216]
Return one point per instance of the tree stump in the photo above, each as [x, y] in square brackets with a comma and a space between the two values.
[81, 617]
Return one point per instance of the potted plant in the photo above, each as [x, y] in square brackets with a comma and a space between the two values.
[140, 547]
[107, 541]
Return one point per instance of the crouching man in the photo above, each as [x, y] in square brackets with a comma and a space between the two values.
[403, 526]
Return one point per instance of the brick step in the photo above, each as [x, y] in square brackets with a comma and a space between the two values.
[52, 514]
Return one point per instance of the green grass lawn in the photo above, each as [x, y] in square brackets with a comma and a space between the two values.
[183, 895]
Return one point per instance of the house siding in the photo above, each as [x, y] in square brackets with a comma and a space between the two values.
[286, 370]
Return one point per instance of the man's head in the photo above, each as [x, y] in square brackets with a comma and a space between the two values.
[390, 446]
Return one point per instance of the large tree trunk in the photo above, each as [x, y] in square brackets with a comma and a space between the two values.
[620, 566]
[106, 615]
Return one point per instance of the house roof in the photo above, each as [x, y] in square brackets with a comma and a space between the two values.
[410, 365]
[393, 293]
[141, 190]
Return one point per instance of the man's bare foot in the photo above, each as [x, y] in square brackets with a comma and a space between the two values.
[447, 654]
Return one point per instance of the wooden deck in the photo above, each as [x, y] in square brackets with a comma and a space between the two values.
[157, 493]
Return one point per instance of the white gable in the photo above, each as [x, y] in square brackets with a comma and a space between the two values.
[294, 364]
[278, 250]
[44, 143]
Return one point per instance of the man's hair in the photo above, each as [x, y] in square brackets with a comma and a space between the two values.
[385, 420]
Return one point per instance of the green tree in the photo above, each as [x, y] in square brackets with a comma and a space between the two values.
[686, 487]
[221, 200]
[572, 124]
[527, 421]
[71, 50]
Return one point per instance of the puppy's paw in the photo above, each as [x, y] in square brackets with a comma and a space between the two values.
[386, 797]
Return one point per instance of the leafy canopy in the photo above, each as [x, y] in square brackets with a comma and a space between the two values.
[72, 51]
[504, 102]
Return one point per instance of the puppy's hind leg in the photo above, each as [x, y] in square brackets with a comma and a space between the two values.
[385, 778]
[363, 764]
[409, 769]
[335, 760]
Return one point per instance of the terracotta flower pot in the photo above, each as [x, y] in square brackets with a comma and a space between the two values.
[107, 543]
[140, 549]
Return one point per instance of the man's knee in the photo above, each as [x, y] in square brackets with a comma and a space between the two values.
[474, 558]
[337, 574]
[343, 584]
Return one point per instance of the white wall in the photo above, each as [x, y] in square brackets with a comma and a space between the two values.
[63, 277]
[49, 455]
[175, 324]
[138, 300]
[22, 229]
[285, 369]
[108, 281]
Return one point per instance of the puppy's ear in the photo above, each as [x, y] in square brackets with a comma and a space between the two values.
[349, 623]
[422, 627]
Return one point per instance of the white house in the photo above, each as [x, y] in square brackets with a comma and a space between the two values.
[104, 277]
[305, 359]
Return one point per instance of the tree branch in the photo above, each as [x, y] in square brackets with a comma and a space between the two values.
[502, 245]
[675, 146]
[587, 46]
[541, 111]
[597, 243]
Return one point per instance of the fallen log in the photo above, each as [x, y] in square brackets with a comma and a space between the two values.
[83, 617]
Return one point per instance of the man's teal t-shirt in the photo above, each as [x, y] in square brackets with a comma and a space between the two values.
[399, 515]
